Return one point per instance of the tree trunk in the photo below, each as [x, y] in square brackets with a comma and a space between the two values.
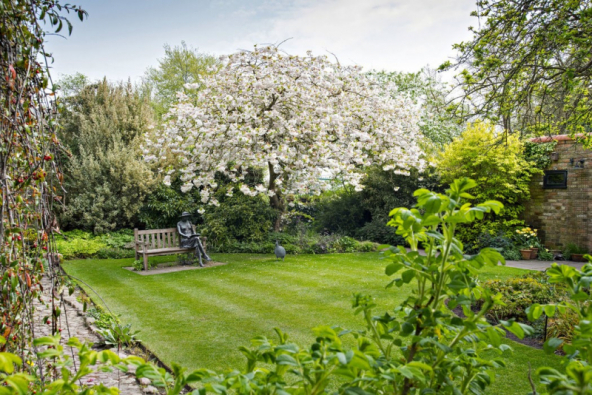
[276, 201]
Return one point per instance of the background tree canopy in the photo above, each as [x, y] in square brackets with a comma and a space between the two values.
[181, 65]
[529, 66]
[426, 90]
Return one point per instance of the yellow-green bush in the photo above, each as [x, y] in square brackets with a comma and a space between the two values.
[497, 162]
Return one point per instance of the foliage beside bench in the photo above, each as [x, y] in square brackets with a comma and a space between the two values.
[81, 244]
[116, 245]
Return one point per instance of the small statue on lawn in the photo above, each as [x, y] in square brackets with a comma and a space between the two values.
[280, 252]
[190, 239]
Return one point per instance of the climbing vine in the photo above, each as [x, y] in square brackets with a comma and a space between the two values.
[30, 179]
[539, 153]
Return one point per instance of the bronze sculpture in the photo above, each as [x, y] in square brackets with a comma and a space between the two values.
[190, 239]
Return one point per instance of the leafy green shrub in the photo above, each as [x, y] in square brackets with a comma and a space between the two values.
[79, 245]
[512, 254]
[306, 244]
[498, 164]
[138, 265]
[240, 218]
[367, 246]
[346, 244]
[106, 178]
[363, 215]
[572, 248]
[376, 230]
[563, 325]
[122, 238]
[102, 319]
[574, 311]
[115, 253]
[518, 294]
[545, 255]
[282, 238]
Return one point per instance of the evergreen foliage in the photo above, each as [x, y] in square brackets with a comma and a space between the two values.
[106, 180]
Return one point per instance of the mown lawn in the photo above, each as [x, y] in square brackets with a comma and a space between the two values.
[199, 318]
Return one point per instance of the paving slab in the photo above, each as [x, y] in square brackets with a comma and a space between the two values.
[542, 265]
[173, 269]
[534, 264]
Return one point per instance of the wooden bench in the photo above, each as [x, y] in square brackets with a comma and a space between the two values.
[156, 242]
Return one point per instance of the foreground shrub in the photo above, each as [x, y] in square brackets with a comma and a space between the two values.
[518, 294]
[577, 307]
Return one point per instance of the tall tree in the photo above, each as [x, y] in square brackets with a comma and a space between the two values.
[106, 180]
[301, 118]
[181, 65]
[528, 66]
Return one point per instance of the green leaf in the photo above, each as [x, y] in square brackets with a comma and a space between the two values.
[494, 337]
[534, 312]
[285, 359]
[551, 345]
[550, 310]
[47, 341]
[7, 362]
[408, 275]
[492, 205]
[393, 268]
[514, 328]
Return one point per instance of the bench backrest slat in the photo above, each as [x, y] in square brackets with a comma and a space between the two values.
[158, 238]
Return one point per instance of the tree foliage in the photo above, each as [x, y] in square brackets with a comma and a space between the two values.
[430, 94]
[528, 66]
[181, 65]
[106, 180]
[238, 218]
[301, 118]
[364, 214]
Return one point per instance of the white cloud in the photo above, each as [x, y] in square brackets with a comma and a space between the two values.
[396, 35]
[400, 35]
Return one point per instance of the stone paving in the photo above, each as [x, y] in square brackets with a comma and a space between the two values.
[74, 323]
[541, 265]
[173, 269]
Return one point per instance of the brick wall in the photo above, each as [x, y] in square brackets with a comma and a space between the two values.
[563, 216]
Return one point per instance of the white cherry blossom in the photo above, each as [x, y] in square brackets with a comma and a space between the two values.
[300, 118]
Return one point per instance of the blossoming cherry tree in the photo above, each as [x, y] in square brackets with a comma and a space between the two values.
[301, 118]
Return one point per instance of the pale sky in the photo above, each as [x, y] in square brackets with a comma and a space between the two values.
[122, 38]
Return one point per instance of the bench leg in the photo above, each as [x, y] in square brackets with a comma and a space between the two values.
[145, 262]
